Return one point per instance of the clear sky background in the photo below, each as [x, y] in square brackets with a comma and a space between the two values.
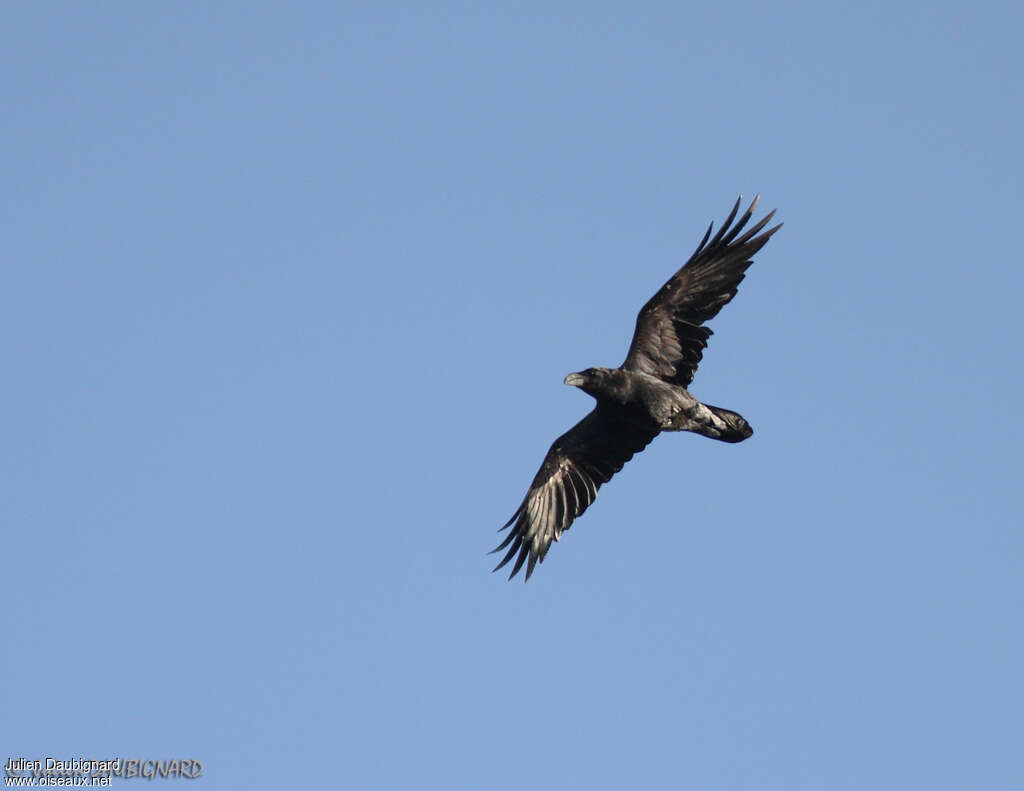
[288, 294]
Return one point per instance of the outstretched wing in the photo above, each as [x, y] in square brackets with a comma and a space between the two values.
[669, 340]
[579, 461]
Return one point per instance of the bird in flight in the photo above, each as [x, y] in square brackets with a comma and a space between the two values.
[642, 397]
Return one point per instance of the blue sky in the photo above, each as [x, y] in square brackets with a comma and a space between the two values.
[288, 294]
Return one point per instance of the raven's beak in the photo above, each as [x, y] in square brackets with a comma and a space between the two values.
[575, 380]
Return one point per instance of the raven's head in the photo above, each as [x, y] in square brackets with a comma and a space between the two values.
[592, 380]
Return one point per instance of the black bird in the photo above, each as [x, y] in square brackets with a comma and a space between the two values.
[644, 396]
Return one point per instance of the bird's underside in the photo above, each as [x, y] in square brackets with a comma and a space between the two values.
[646, 395]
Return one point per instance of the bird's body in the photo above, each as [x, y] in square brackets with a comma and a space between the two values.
[646, 395]
[655, 405]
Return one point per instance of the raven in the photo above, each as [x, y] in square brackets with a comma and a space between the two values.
[644, 396]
